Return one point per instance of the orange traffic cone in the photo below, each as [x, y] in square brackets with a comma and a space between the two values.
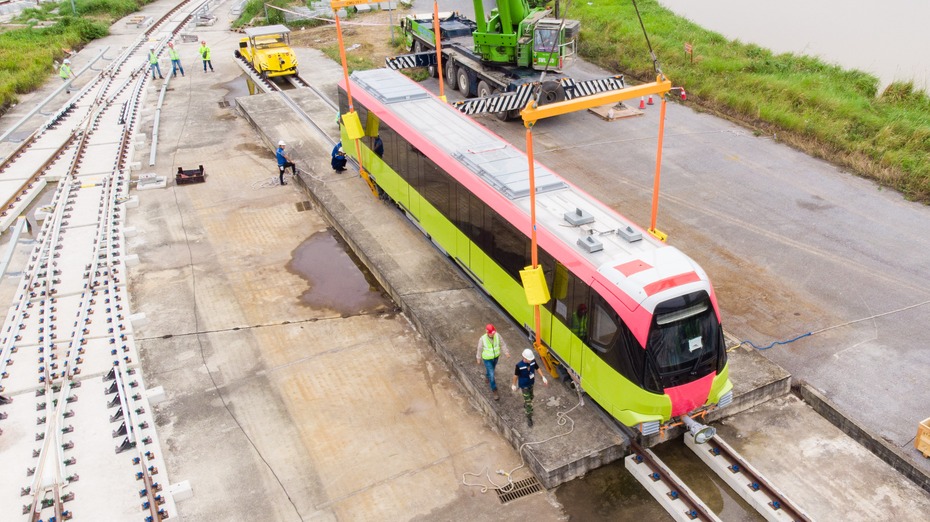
[642, 102]
[684, 95]
[650, 100]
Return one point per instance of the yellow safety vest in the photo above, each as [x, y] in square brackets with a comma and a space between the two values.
[492, 349]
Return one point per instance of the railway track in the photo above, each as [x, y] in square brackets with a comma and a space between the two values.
[681, 502]
[69, 333]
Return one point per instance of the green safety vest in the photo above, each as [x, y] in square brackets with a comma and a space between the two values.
[65, 71]
[579, 324]
[492, 349]
[173, 54]
[204, 52]
[153, 58]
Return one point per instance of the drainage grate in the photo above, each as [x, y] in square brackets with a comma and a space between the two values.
[521, 488]
[303, 206]
[223, 104]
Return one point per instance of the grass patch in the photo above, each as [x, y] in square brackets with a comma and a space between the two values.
[356, 60]
[28, 55]
[817, 107]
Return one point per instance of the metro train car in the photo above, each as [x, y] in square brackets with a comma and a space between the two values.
[635, 319]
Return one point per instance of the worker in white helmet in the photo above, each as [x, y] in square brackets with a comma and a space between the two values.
[284, 162]
[64, 71]
[524, 376]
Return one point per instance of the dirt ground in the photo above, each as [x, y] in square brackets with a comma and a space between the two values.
[366, 35]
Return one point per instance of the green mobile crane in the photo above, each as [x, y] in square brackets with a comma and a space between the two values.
[520, 35]
[501, 53]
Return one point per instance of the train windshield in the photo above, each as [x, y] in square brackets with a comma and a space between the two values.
[685, 338]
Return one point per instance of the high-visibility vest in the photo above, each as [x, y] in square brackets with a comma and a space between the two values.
[492, 349]
[204, 52]
[579, 324]
[65, 71]
[173, 54]
[153, 58]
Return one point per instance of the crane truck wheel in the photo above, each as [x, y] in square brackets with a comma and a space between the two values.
[463, 81]
[484, 90]
[449, 69]
[417, 46]
[551, 92]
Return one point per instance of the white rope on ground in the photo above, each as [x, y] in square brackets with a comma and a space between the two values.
[869, 317]
[562, 417]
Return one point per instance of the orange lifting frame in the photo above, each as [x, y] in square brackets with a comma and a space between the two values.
[533, 113]
[338, 4]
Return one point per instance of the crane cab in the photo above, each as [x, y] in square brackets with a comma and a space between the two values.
[268, 49]
[554, 43]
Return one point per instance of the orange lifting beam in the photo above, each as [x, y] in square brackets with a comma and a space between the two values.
[533, 113]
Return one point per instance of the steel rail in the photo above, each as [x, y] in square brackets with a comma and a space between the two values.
[746, 481]
[678, 490]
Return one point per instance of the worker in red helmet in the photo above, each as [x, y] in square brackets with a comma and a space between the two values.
[490, 346]
[204, 53]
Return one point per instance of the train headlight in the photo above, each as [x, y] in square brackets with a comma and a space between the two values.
[700, 432]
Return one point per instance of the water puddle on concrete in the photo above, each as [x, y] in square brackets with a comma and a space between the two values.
[337, 280]
[611, 492]
[236, 88]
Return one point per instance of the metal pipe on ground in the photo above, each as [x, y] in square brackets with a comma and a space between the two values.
[161, 100]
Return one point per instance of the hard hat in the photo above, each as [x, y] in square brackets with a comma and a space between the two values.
[203, 42]
[170, 44]
[152, 47]
[528, 354]
[490, 329]
[281, 143]
[66, 61]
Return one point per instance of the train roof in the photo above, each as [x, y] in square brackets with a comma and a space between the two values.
[266, 30]
[615, 247]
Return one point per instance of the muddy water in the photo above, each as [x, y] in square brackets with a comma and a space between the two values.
[887, 39]
[611, 492]
[336, 281]
[236, 88]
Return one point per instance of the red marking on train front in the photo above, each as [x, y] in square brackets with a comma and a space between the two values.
[671, 282]
[687, 397]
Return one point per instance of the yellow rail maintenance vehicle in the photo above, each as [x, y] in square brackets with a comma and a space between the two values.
[269, 51]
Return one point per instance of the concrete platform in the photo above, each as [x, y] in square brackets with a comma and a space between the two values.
[451, 313]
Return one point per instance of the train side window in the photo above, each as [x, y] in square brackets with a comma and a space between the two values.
[603, 327]
[411, 172]
[508, 246]
[548, 264]
[479, 223]
[389, 138]
[436, 186]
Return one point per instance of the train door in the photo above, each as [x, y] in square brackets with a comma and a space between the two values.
[479, 234]
[570, 301]
[460, 220]
[414, 164]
